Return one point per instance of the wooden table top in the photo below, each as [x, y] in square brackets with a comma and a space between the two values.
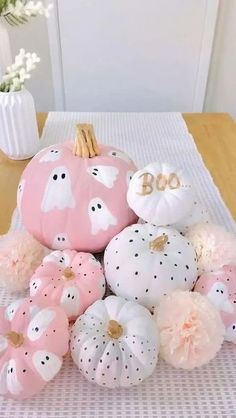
[215, 137]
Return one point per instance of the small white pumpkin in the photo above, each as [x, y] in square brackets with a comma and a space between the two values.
[115, 343]
[196, 215]
[160, 194]
[145, 262]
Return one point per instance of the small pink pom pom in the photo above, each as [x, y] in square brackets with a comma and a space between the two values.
[191, 329]
[20, 255]
[214, 246]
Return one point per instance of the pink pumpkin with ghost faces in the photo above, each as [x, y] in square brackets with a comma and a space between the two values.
[74, 197]
[33, 341]
[220, 288]
[70, 279]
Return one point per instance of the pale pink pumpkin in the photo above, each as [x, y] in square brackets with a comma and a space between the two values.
[33, 341]
[68, 201]
[70, 279]
[220, 288]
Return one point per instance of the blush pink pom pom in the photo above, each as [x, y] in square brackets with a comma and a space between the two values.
[20, 255]
[191, 329]
[214, 246]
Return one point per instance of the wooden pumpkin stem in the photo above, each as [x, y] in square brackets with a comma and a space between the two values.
[114, 329]
[68, 274]
[159, 243]
[15, 339]
[85, 145]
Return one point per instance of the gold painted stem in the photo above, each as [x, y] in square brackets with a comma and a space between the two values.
[85, 145]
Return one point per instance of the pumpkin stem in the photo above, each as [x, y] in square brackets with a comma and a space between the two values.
[158, 244]
[68, 274]
[15, 339]
[114, 329]
[85, 145]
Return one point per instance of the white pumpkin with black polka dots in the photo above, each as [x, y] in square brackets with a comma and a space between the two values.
[115, 343]
[145, 262]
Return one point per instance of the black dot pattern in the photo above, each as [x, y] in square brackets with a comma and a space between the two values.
[137, 272]
[111, 362]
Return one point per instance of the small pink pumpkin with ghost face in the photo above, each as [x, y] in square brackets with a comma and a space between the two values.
[74, 197]
[70, 279]
[33, 341]
[220, 288]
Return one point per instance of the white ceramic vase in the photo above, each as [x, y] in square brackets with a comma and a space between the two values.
[19, 138]
[5, 50]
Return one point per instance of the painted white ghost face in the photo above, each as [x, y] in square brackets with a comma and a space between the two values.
[219, 296]
[52, 154]
[20, 191]
[129, 176]
[12, 309]
[106, 175]
[70, 301]
[47, 364]
[39, 324]
[119, 154]
[230, 334]
[61, 242]
[3, 343]
[58, 257]
[100, 216]
[34, 286]
[58, 193]
[8, 379]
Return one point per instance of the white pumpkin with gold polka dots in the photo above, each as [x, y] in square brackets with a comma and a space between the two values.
[115, 343]
[145, 262]
[160, 194]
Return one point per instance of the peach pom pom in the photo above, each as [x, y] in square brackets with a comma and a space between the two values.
[214, 246]
[191, 329]
[20, 255]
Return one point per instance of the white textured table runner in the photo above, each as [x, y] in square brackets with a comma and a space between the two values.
[206, 392]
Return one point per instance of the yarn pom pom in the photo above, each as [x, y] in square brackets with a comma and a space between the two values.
[191, 329]
[20, 255]
[214, 246]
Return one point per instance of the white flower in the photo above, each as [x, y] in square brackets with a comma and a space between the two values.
[24, 9]
[19, 71]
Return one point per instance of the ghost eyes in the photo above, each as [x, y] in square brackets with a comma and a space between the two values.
[54, 151]
[61, 239]
[55, 177]
[43, 362]
[95, 172]
[99, 206]
[72, 297]
[10, 370]
[36, 329]
[221, 291]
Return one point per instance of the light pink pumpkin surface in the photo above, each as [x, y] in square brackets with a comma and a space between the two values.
[26, 369]
[220, 288]
[74, 294]
[72, 202]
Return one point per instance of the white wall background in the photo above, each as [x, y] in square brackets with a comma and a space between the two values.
[221, 88]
